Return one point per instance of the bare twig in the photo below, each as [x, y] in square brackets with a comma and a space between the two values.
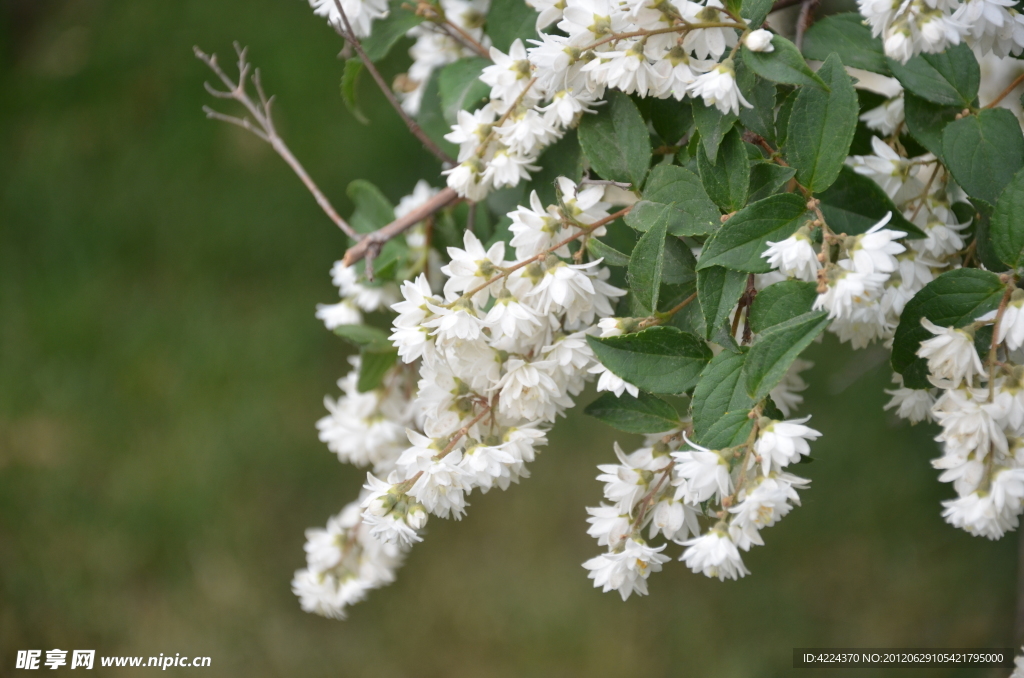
[262, 123]
[804, 21]
[372, 243]
[1002, 95]
[416, 130]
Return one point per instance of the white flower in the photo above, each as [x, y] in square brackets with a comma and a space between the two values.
[323, 594]
[472, 266]
[608, 525]
[759, 41]
[950, 354]
[536, 229]
[970, 424]
[990, 514]
[874, 251]
[509, 73]
[609, 381]
[787, 394]
[626, 571]
[794, 256]
[1011, 325]
[763, 506]
[781, 443]
[342, 313]
[360, 13]
[718, 88]
[885, 118]
[848, 291]
[625, 482]
[676, 520]
[912, 404]
[715, 555]
[700, 474]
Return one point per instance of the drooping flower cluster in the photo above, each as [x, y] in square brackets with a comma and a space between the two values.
[737, 491]
[499, 354]
[914, 26]
[981, 412]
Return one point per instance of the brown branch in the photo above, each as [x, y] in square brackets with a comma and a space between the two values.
[374, 241]
[416, 130]
[1002, 95]
[804, 21]
[263, 127]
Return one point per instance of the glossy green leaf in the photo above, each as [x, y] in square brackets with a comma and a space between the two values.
[610, 255]
[732, 429]
[780, 302]
[954, 299]
[743, 238]
[461, 88]
[364, 336]
[508, 20]
[761, 93]
[727, 179]
[755, 11]
[721, 389]
[671, 119]
[926, 120]
[848, 36]
[718, 290]
[646, 414]
[777, 347]
[1007, 226]
[767, 178]
[712, 124]
[983, 151]
[373, 366]
[950, 78]
[821, 127]
[659, 359]
[855, 203]
[783, 64]
[646, 264]
[675, 196]
[372, 211]
[349, 83]
[616, 141]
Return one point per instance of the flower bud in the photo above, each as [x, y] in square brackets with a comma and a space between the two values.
[759, 41]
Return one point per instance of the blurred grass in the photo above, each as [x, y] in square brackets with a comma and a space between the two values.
[161, 371]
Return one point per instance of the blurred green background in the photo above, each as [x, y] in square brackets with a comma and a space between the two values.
[161, 371]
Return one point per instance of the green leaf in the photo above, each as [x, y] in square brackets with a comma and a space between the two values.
[349, 82]
[616, 141]
[954, 299]
[730, 430]
[755, 11]
[610, 255]
[646, 264]
[372, 211]
[777, 347]
[821, 127]
[671, 119]
[646, 414]
[783, 64]
[372, 368]
[564, 158]
[461, 88]
[389, 30]
[1007, 226]
[728, 179]
[718, 290]
[761, 94]
[981, 217]
[855, 203]
[847, 36]
[950, 78]
[511, 19]
[782, 119]
[364, 336]
[983, 151]
[712, 124]
[675, 196]
[926, 120]
[767, 178]
[741, 240]
[721, 389]
[659, 359]
[780, 302]
[431, 116]
[680, 268]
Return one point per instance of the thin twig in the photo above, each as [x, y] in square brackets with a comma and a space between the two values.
[374, 241]
[1002, 95]
[416, 130]
[804, 21]
[263, 127]
[462, 36]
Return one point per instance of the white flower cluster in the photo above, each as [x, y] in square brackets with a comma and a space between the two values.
[982, 425]
[360, 13]
[499, 355]
[656, 48]
[909, 27]
[738, 490]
